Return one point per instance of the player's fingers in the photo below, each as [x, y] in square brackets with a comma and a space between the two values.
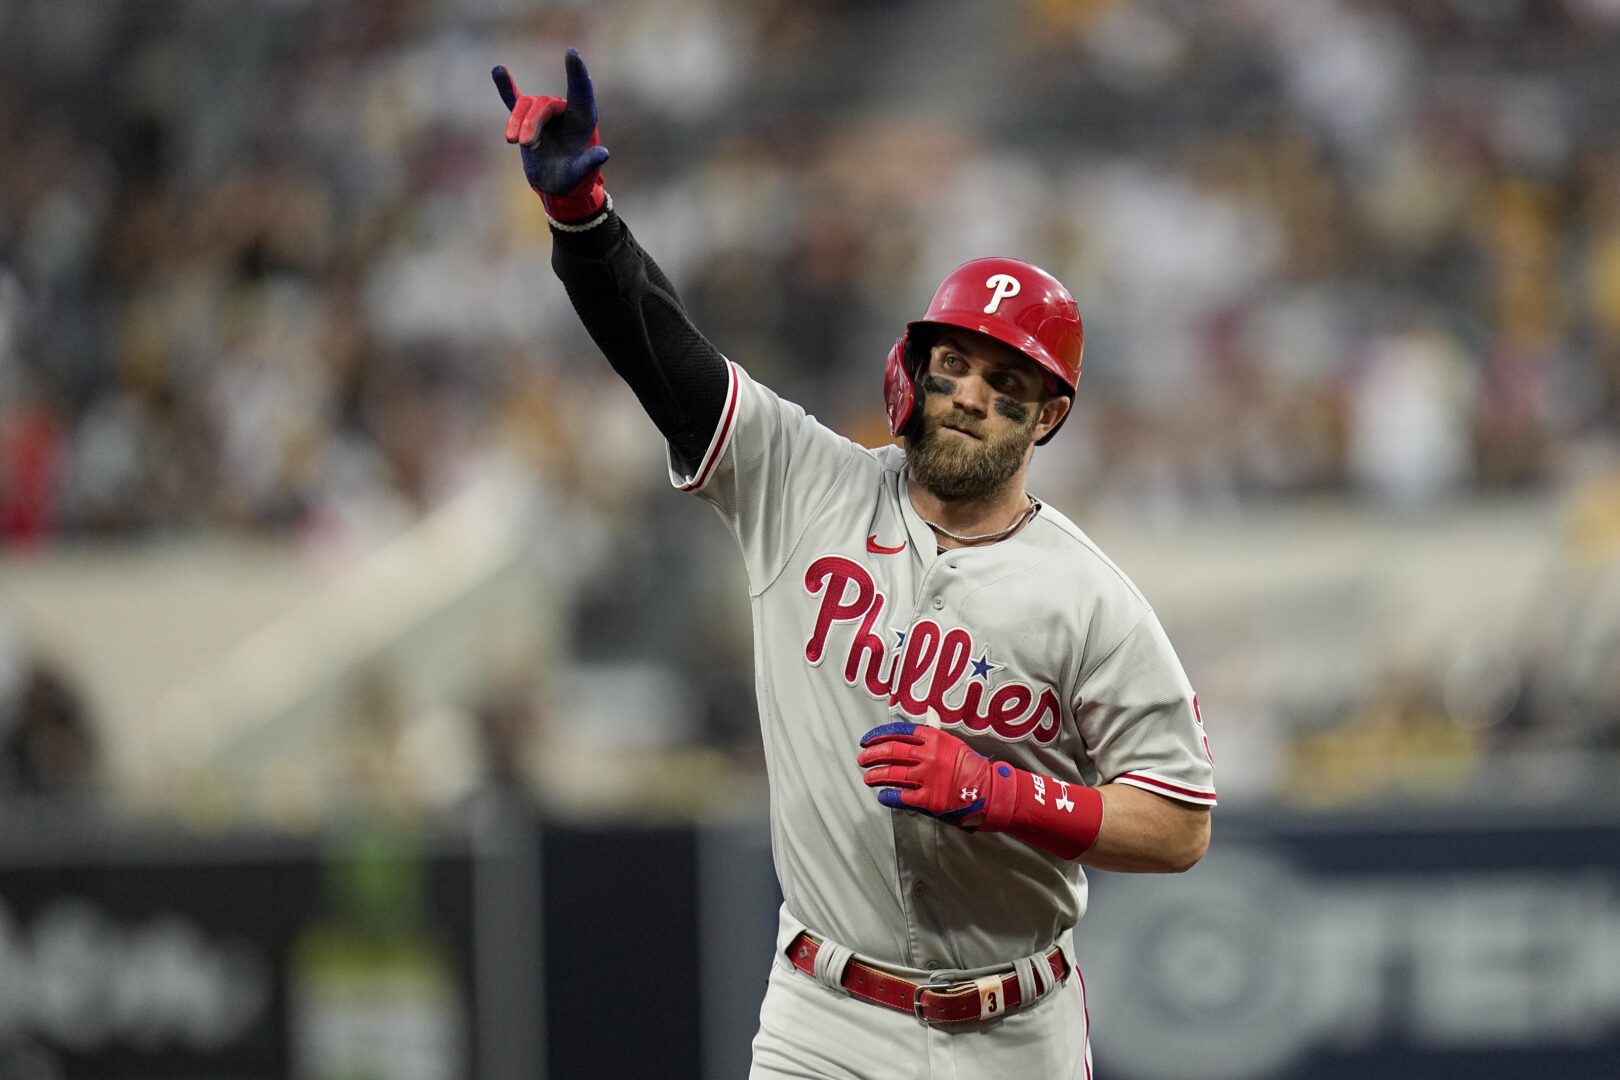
[886, 753]
[581, 95]
[514, 122]
[504, 84]
[527, 107]
[594, 158]
[934, 736]
[898, 730]
[536, 118]
[895, 799]
[890, 776]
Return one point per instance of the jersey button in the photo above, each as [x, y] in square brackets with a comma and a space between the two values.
[919, 888]
[939, 602]
[933, 965]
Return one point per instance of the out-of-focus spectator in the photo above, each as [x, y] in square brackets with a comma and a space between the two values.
[1409, 414]
[32, 447]
[47, 746]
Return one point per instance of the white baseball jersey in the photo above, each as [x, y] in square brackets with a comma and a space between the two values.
[1036, 650]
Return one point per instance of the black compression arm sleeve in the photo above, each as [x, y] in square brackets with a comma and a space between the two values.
[633, 314]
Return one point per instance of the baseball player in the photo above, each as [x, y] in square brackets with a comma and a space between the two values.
[963, 700]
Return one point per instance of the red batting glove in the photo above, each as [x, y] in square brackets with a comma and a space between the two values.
[931, 771]
[927, 770]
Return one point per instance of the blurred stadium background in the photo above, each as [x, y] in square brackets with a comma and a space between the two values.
[370, 708]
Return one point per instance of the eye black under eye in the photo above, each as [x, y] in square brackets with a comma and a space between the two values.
[1011, 410]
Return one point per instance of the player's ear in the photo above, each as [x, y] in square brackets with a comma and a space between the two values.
[1053, 410]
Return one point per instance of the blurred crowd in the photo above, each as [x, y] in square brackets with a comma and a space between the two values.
[271, 268]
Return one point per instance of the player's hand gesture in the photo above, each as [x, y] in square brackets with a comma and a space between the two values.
[921, 768]
[562, 152]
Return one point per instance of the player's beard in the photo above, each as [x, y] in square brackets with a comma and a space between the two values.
[952, 467]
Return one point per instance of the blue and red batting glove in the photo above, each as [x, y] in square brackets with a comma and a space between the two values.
[562, 151]
[931, 771]
[916, 767]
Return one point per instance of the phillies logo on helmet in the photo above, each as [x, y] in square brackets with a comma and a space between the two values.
[1003, 287]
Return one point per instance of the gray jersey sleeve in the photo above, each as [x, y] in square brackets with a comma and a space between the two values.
[768, 470]
[1140, 722]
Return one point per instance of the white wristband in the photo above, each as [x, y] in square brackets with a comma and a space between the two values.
[585, 226]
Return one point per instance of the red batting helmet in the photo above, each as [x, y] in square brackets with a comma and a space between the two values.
[1012, 301]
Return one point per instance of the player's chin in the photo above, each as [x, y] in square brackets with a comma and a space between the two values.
[953, 466]
[951, 478]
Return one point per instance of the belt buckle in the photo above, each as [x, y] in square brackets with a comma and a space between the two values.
[921, 988]
[918, 989]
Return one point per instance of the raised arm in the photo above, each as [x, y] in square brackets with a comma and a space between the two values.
[624, 300]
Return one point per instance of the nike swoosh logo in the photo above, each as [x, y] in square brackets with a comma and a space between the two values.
[878, 549]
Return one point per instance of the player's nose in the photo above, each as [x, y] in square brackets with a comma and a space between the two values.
[972, 394]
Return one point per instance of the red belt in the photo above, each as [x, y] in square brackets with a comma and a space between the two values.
[933, 1003]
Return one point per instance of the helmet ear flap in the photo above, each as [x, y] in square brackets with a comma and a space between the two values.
[899, 387]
